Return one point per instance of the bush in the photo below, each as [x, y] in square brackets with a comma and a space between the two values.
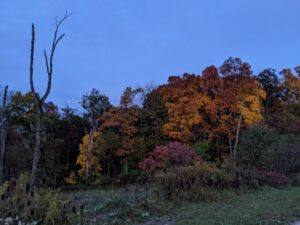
[168, 156]
[255, 179]
[195, 182]
[20, 199]
[256, 142]
[262, 149]
[204, 181]
[272, 178]
[296, 179]
[202, 149]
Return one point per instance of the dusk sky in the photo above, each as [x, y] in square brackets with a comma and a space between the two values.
[111, 44]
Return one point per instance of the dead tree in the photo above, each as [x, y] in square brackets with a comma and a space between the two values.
[40, 99]
[3, 133]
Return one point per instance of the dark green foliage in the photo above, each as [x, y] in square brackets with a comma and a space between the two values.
[95, 104]
[152, 118]
[202, 149]
[261, 148]
[109, 143]
[273, 88]
[255, 145]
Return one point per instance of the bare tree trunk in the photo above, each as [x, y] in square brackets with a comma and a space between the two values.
[3, 135]
[88, 156]
[37, 150]
[237, 134]
[40, 99]
[126, 165]
[230, 146]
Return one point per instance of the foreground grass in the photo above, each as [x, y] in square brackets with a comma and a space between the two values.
[140, 205]
[264, 207]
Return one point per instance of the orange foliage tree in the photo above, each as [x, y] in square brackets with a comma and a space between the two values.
[183, 97]
[123, 119]
[215, 106]
[242, 98]
[291, 84]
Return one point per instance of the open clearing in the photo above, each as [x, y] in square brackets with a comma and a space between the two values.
[138, 205]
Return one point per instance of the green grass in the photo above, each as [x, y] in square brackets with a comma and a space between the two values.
[139, 205]
[264, 207]
[130, 205]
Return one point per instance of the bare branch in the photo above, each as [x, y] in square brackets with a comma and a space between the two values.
[4, 98]
[36, 96]
[46, 60]
[49, 62]
[58, 40]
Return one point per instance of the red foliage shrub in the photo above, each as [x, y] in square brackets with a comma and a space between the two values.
[168, 156]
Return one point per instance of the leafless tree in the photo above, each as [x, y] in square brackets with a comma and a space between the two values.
[40, 99]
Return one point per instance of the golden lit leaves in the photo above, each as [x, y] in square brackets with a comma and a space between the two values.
[89, 155]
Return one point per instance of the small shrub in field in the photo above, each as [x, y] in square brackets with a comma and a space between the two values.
[20, 199]
[168, 156]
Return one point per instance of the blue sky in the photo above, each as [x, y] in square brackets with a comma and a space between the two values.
[111, 44]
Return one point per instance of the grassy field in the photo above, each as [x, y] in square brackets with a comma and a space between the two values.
[140, 205]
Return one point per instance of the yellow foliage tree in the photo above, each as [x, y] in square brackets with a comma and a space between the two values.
[183, 97]
[89, 154]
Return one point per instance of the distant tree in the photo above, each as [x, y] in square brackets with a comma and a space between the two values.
[183, 97]
[242, 100]
[95, 105]
[74, 128]
[124, 120]
[109, 142]
[20, 136]
[256, 143]
[93, 150]
[40, 99]
[272, 86]
[291, 85]
[153, 116]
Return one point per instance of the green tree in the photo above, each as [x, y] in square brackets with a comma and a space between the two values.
[153, 116]
[95, 105]
[273, 88]
[255, 145]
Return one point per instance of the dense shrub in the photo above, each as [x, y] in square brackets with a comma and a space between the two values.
[202, 148]
[31, 204]
[272, 178]
[195, 181]
[256, 142]
[168, 156]
[254, 179]
[260, 148]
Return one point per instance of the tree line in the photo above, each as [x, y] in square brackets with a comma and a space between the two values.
[207, 112]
